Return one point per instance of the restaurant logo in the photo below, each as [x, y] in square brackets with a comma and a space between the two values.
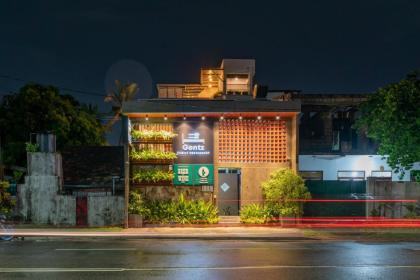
[193, 143]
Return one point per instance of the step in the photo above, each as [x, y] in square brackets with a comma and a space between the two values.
[229, 220]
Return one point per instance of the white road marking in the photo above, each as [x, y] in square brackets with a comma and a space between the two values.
[43, 270]
[96, 249]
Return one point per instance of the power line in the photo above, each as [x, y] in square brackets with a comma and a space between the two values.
[77, 91]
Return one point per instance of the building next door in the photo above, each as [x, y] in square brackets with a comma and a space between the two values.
[229, 191]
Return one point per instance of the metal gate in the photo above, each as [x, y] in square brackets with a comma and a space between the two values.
[336, 190]
[228, 191]
[81, 211]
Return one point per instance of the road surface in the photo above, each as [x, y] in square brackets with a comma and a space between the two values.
[111, 258]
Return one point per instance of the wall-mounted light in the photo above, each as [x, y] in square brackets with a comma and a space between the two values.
[222, 118]
[147, 117]
[165, 118]
[203, 118]
[209, 86]
[240, 118]
[277, 117]
[236, 78]
[259, 118]
[184, 118]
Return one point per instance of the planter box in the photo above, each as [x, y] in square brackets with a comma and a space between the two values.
[135, 221]
[152, 162]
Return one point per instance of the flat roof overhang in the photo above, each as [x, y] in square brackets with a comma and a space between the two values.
[173, 108]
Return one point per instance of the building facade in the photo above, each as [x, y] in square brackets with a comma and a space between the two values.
[218, 144]
[330, 148]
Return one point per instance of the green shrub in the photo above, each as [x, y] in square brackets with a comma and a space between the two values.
[31, 148]
[255, 214]
[151, 135]
[151, 155]
[181, 211]
[136, 204]
[152, 176]
[282, 189]
[6, 201]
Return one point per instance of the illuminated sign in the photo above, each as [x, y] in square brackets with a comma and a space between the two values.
[194, 142]
[193, 174]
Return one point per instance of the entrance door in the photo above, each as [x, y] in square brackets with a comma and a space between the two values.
[228, 191]
[81, 211]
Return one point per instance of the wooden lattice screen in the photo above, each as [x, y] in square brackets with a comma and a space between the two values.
[252, 141]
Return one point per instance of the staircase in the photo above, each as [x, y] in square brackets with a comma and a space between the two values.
[230, 221]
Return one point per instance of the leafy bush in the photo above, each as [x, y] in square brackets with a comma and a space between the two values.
[152, 176]
[31, 148]
[151, 155]
[281, 191]
[136, 204]
[6, 201]
[151, 135]
[255, 214]
[181, 211]
[413, 211]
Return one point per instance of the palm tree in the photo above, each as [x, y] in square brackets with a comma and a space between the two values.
[119, 94]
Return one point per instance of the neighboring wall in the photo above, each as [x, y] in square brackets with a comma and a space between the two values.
[330, 164]
[391, 190]
[40, 201]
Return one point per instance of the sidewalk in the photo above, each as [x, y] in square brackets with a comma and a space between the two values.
[265, 233]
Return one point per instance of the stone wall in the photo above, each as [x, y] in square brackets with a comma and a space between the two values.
[391, 190]
[105, 210]
[40, 201]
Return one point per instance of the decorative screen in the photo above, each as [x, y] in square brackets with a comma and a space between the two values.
[252, 141]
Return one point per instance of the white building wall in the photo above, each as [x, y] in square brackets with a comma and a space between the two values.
[330, 164]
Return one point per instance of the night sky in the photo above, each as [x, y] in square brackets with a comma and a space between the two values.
[315, 46]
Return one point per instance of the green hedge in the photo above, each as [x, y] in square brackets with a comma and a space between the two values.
[180, 211]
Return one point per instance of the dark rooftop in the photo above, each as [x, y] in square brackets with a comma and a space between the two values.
[208, 106]
[92, 166]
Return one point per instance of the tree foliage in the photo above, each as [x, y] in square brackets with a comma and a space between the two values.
[391, 116]
[119, 94]
[282, 189]
[37, 108]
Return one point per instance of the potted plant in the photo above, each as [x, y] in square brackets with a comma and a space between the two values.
[136, 210]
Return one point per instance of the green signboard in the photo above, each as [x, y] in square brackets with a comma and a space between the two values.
[193, 174]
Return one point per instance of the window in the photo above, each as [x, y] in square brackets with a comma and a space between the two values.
[415, 175]
[386, 175]
[344, 175]
[312, 175]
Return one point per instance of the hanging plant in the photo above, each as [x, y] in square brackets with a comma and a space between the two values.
[147, 154]
[152, 135]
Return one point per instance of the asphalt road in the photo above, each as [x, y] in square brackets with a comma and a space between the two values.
[91, 258]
